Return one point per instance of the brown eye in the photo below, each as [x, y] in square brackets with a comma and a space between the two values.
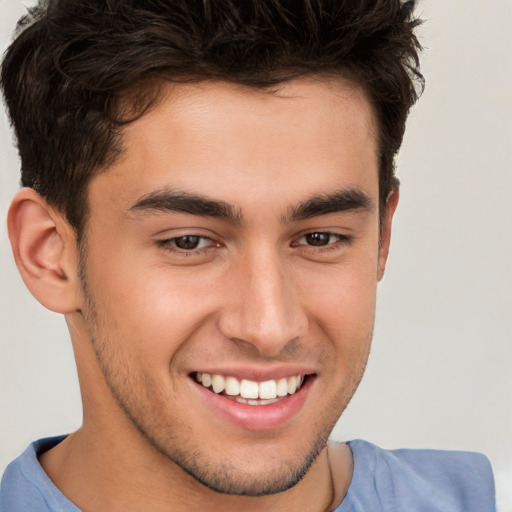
[318, 239]
[187, 242]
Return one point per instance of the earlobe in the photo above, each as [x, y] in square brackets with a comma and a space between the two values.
[385, 230]
[44, 249]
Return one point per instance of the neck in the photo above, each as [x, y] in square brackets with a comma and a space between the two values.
[117, 481]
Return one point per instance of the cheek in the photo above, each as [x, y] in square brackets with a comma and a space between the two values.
[343, 295]
[341, 304]
[146, 308]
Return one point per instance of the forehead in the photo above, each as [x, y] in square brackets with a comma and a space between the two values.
[220, 139]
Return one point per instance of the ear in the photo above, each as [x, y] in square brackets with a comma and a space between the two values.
[45, 251]
[385, 230]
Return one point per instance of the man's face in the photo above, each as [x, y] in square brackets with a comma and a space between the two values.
[237, 240]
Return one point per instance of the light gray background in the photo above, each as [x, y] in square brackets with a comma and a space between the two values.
[440, 374]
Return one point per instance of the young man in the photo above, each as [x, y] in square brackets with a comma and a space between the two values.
[208, 198]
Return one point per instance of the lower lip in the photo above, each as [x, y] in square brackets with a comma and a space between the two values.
[256, 417]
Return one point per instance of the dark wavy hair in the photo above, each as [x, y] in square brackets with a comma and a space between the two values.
[79, 70]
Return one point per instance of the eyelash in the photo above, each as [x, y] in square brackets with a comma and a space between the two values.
[169, 244]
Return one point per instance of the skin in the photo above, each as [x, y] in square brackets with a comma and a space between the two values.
[256, 297]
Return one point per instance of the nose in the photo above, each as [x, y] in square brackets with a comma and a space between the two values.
[264, 307]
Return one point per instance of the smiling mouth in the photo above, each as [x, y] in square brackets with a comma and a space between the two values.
[250, 392]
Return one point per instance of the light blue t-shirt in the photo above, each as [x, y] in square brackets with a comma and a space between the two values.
[383, 481]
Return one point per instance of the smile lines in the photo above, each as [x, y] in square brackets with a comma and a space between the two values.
[248, 391]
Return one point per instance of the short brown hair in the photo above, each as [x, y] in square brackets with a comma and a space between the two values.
[73, 64]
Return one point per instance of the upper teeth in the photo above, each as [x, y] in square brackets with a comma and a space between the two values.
[250, 389]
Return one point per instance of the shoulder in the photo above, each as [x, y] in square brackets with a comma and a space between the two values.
[25, 486]
[419, 480]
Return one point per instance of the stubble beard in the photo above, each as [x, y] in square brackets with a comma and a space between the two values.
[137, 401]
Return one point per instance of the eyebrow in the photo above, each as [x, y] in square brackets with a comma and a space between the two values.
[166, 200]
[345, 200]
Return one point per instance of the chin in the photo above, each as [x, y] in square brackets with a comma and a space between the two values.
[259, 478]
